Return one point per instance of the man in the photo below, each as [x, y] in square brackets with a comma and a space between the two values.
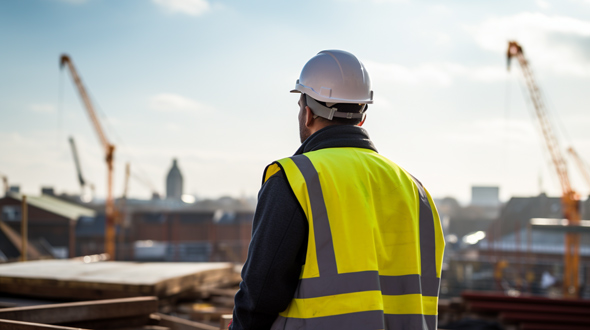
[342, 237]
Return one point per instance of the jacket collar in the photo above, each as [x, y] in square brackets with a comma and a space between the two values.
[337, 136]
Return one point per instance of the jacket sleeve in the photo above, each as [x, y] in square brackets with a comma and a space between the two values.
[275, 257]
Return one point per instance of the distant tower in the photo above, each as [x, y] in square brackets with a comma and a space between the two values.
[174, 182]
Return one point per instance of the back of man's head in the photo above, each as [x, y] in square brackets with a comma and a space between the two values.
[336, 87]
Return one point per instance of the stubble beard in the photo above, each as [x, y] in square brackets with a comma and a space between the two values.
[304, 132]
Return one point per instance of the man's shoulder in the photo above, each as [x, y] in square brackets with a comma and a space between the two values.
[270, 171]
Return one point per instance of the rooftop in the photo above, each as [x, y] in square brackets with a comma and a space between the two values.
[55, 205]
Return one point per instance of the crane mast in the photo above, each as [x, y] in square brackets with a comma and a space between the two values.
[569, 199]
[109, 150]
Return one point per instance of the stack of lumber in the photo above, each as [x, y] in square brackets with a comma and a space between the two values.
[137, 295]
[530, 313]
[211, 306]
[77, 280]
[127, 313]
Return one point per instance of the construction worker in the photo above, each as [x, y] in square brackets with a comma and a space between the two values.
[342, 237]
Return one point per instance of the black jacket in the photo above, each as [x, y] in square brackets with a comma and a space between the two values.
[279, 239]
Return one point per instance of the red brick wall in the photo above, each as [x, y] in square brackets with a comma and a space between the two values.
[183, 227]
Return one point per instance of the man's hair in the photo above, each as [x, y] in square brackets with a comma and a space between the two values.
[345, 107]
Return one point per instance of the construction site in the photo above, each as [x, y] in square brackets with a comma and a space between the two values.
[101, 257]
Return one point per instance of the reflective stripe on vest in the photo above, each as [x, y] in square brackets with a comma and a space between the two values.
[394, 301]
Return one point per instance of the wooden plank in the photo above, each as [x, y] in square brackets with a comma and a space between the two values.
[83, 311]
[525, 307]
[7, 302]
[177, 323]
[209, 315]
[481, 296]
[224, 292]
[147, 327]
[19, 325]
[77, 280]
[540, 317]
[551, 326]
[16, 240]
[133, 322]
[223, 301]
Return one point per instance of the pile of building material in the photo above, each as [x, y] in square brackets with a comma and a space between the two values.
[125, 313]
[516, 312]
[137, 294]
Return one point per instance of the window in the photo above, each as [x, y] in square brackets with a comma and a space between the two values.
[11, 213]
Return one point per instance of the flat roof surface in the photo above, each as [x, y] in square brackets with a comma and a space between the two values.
[76, 279]
[55, 205]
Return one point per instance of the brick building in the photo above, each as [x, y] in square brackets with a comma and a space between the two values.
[51, 221]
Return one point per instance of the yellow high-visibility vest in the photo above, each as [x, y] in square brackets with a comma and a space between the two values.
[375, 245]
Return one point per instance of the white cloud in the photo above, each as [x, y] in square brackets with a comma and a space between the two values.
[438, 73]
[490, 131]
[543, 4]
[173, 127]
[440, 9]
[441, 38]
[43, 108]
[188, 7]
[558, 43]
[175, 102]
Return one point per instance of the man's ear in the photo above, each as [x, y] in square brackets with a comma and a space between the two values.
[362, 121]
[309, 116]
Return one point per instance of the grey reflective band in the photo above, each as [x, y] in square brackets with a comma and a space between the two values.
[427, 240]
[329, 113]
[350, 321]
[360, 320]
[409, 284]
[321, 225]
[338, 284]
[410, 321]
[367, 281]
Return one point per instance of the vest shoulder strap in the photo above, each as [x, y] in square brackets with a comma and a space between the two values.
[270, 170]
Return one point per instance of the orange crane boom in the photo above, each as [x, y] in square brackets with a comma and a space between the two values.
[581, 165]
[569, 199]
[109, 150]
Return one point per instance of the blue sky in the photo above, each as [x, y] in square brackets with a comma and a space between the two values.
[207, 82]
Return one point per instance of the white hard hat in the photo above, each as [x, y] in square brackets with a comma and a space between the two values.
[335, 76]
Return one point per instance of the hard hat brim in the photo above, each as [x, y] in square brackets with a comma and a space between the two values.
[317, 96]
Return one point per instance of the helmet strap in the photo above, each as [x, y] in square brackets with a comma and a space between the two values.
[329, 113]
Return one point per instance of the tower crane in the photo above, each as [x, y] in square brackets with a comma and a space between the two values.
[569, 199]
[79, 169]
[109, 150]
[581, 165]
